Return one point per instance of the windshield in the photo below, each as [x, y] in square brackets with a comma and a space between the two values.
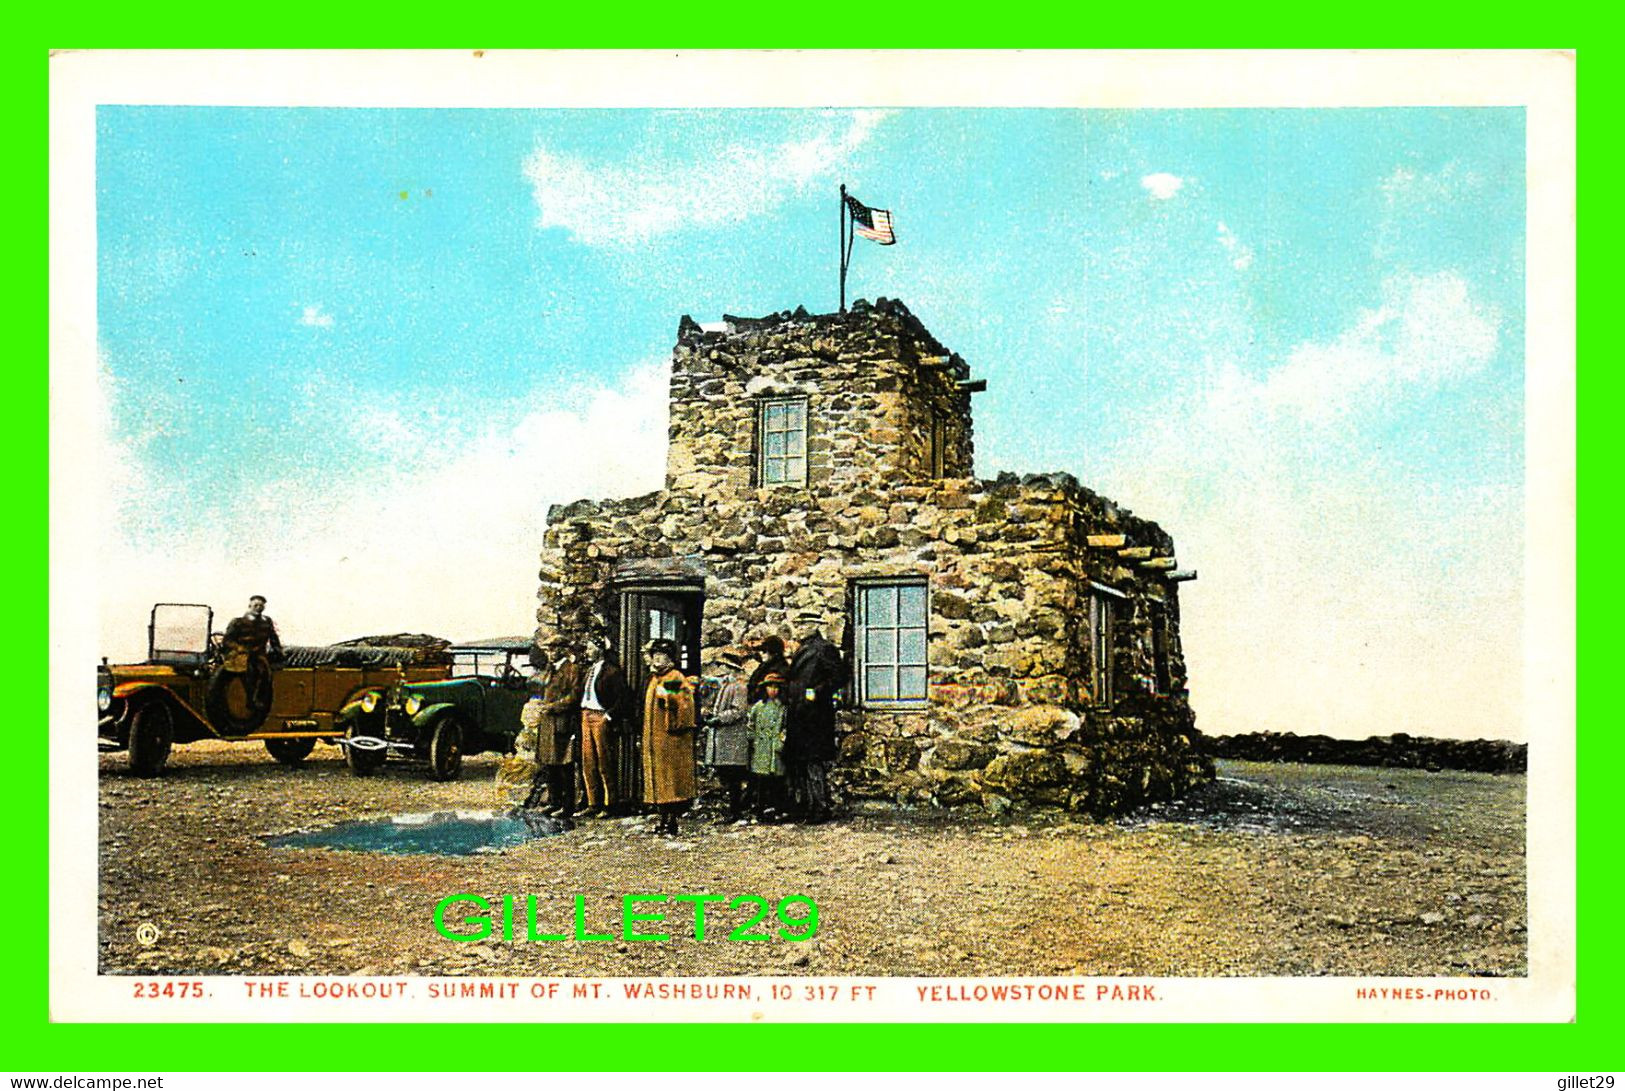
[179, 632]
[467, 663]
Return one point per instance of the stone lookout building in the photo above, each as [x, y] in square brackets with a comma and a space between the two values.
[1010, 639]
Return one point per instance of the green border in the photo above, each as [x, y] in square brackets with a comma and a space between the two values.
[35, 1044]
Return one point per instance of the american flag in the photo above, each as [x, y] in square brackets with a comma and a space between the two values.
[871, 223]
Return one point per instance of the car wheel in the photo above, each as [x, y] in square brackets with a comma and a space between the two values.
[152, 733]
[290, 751]
[362, 760]
[446, 749]
[239, 701]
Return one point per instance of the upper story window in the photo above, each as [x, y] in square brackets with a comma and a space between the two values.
[783, 441]
[889, 639]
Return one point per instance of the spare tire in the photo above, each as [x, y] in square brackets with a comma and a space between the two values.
[239, 701]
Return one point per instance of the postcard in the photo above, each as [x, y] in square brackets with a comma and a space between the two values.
[531, 568]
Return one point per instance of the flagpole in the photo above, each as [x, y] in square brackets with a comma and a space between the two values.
[842, 237]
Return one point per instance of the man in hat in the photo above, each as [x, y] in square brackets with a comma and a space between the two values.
[817, 673]
[255, 631]
[770, 657]
[727, 735]
[668, 738]
[606, 704]
[556, 734]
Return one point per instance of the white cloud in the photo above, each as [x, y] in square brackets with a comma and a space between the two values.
[1403, 185]
[1339, 592]
[1162, 186]
[1425, 331]
[445, 544]
[603, 205]
[315, 316]
[1241, 255]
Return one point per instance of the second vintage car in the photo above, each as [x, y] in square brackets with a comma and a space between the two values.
[435, 724]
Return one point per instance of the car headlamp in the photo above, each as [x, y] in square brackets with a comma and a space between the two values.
[414, 704]
[369, 703]
[104, 700]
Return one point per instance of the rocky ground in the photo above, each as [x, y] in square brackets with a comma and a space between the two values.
[1271, 870]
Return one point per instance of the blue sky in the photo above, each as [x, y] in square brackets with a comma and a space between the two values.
[1294, 337]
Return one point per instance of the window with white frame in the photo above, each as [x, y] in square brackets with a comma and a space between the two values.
[782, 441]
[889, 639]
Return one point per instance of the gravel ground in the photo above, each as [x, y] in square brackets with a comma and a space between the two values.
[1272, 870]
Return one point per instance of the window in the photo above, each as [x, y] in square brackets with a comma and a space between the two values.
[783, 442]
[890, 643]
[939, 444]
[1102, 615]
[1162, 674]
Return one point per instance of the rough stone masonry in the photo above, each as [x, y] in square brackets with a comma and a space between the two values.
[1013, 639]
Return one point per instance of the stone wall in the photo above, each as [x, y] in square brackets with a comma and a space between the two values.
[1009, 563]
[1392, 751]
[873, 380]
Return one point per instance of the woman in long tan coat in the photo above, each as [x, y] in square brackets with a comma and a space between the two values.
[668, 738]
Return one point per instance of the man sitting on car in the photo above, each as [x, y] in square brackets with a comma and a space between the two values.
[254, 632]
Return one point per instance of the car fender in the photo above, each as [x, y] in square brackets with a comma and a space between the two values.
[429, 713]
[125, 690]
[352, 708]
[189, 728]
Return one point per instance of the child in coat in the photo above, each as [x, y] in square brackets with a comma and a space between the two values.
[767, 749]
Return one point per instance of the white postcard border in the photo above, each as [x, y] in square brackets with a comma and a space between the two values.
[1540, 82]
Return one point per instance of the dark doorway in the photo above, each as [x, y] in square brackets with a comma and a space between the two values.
[649, 613]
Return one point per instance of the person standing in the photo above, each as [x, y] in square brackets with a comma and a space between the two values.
[668, 738]
[817, 674]
[527, 744]
[727, 731]
[560, 727]
[770, 653]
[606, 704]
[767, 749]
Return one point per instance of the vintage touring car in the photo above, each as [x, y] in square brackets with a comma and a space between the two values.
[195, 685]
[437, 722]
